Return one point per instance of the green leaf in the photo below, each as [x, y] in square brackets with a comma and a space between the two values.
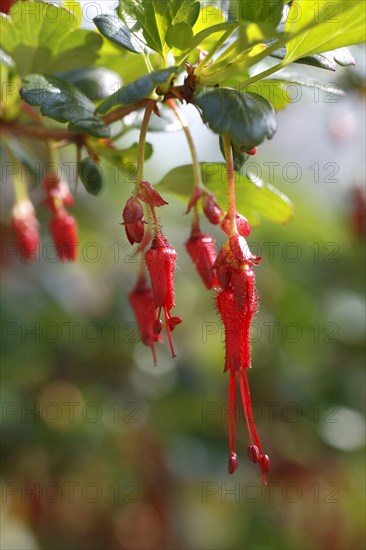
[282, 90]
[254, 200]
[91, 176]
[322, 26]
[155, 17]
[95, 82]
[179, 37]
[63, 102]
[141, 88]
[248, 118]
[124, 160]
[74, 7]
[326, 60]
[113, 29]
[43, 38]
[258, 11]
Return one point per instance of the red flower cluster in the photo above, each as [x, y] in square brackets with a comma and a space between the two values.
[148, 303]
[237, 303]
[62, 225]
[142, 303]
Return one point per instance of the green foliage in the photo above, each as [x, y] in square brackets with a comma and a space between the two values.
[42, 38]
[247, 117]
[326, 60]
[269, 11]
[157, 18]
[91, 176]
[324, 26]
[140, 89]
[118, 33]
[63, 102]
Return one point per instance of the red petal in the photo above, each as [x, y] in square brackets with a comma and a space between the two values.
[132, 211]
[147, 194]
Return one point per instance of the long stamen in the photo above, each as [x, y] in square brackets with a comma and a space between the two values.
[244, 401]
[233, 459]
[250, 410]
[166, 314]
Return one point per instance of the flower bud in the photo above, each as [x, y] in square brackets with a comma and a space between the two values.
[25, 227]
[64, 234]
[143, 306]
[133, 214]
[160, 260]
[211, 209]
[201, 249]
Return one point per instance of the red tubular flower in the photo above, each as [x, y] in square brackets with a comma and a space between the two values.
[142, 303]
[237, 360]
[201, 249]
[160, 261]
[64, 234]
[211, 209]
[133, 215]
[25, 227]
[237, 303]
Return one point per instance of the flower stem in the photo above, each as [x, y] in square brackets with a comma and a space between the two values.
[212, 52]
[19, 186]
[191, 145]
[230, 183]
[142, 141]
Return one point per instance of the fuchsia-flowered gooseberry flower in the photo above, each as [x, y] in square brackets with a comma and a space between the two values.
[142, 303]
[237, 304]
[160, 261]
[133, 220]
[211, 209]
[62, 225]
[64, 235]
[25, 227]
[202, 250]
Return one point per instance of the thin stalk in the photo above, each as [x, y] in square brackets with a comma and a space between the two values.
[19, 186]
[191, 145]
[230, 183]
[142, 141]
[212, 52]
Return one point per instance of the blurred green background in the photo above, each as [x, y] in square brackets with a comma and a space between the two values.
[102, 450]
